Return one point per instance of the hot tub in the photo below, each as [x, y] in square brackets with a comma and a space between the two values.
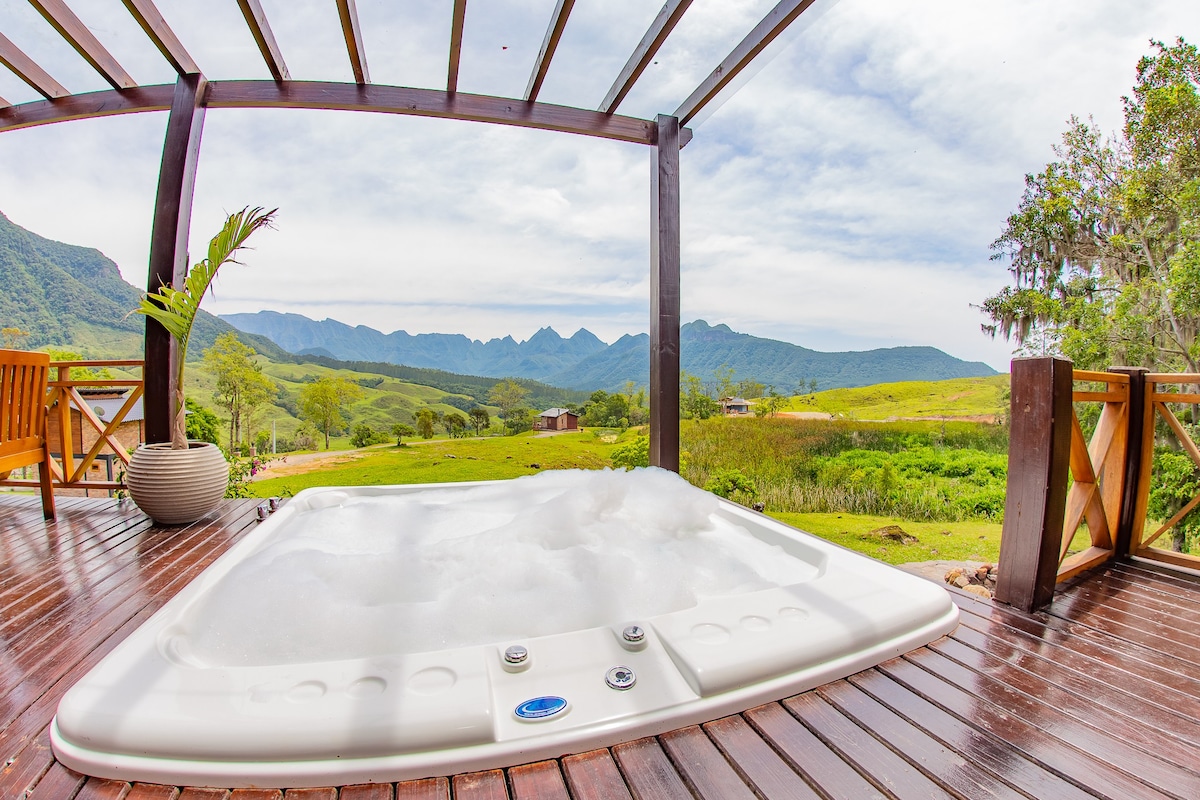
[386, 633]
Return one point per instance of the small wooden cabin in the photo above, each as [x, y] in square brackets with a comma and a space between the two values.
[556, 419]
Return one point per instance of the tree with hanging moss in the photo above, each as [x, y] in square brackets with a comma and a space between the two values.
[1104, 247]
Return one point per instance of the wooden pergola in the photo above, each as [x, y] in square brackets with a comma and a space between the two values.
[192, 94]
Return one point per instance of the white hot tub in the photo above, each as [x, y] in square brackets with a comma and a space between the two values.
[386, 633]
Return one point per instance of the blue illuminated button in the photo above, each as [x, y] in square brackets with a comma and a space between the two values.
[540, 707]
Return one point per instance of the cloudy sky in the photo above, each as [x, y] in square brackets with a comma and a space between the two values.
[843, 199]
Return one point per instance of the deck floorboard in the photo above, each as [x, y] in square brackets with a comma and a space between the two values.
[1098, 697]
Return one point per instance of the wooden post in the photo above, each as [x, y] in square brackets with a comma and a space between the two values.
[1134, 420]
[1039, 457]
[168, 246]
[664, 296]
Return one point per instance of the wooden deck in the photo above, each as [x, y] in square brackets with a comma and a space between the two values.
[1098, 698]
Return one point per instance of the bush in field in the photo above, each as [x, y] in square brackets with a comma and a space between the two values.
[632, 454]
[364, 435]
[732, 485]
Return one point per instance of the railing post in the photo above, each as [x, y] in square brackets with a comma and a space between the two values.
[1135, 424]
[1039, 457]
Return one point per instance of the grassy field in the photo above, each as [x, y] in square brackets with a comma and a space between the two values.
[449, 460]
[971, 540]
[960, 397]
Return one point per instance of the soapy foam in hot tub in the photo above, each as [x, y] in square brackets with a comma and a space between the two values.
[453, 568]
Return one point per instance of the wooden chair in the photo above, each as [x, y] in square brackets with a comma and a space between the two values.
[23, 434]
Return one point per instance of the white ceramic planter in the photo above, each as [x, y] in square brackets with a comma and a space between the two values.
[175, 487]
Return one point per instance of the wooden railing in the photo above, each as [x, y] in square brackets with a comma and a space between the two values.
[1109, 476]
[72, 433]
[1158, 407]
[1097, 473]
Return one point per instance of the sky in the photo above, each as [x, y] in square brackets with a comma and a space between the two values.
[843, 198]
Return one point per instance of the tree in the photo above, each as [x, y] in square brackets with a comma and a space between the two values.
[723, 375]
[241, 385]
[455, 425]
[13, 337]
[426, 418]
[1104, 247]
[480, 419]
[202, 424]
[400, 430]
[323, 402]
[508, 395]
[519, 420]
[694, 402]
[750, 390]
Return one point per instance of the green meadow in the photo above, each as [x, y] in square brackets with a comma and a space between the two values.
[445, 461]
[941, 481]
[960, 397]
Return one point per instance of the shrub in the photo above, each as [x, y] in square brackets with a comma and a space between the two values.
[732, 485]
[632, 454]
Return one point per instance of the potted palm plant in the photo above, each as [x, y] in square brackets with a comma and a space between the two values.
[180, 482]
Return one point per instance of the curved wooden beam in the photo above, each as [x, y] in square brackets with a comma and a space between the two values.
[71, 28]
[256, 19]
[169, 248]
[342, 97]
[86, 106]
[765, 32]
[152, 22]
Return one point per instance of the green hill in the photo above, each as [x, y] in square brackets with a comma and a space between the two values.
[959, 397]
[74, 298]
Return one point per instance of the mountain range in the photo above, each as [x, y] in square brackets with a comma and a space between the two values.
[584, 362]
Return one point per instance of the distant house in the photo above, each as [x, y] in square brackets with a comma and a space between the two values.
[735, 405]
[556, 419]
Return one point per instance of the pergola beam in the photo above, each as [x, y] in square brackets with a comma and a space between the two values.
[168, 247]
[152, 22]
[27, 70]
[71, 28]
[457, 21]
[351, 29]
[653, 39]
[256, 18]
[549, 44]
[773, 24]
[343, 97]
[664, 295]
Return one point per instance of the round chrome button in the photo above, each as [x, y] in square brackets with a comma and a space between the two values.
[633, 634]
[620, 678]
[515, 654]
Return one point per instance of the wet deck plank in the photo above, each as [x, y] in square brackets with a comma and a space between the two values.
[1099, 697]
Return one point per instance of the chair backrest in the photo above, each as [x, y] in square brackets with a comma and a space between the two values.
[23, 379]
